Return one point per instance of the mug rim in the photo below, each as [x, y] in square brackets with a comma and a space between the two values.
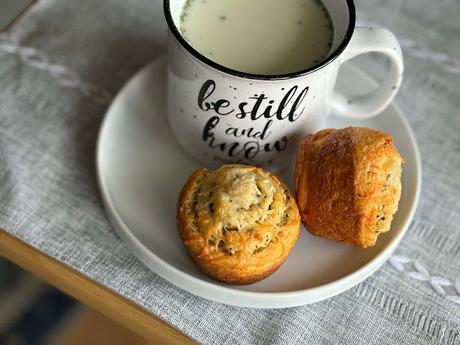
[173, 28]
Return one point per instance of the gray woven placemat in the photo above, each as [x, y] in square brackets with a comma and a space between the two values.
[59, 66]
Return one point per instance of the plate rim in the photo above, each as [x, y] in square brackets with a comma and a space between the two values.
[227, 295]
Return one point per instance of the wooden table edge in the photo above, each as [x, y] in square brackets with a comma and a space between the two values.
[89, 292]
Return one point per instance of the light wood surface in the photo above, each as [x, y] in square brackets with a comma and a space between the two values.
[88, 327]
[89, 292]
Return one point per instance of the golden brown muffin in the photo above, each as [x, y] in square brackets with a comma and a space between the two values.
[238, 222]
[348, 184]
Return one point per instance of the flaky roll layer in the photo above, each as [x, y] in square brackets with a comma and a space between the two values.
[348, 184]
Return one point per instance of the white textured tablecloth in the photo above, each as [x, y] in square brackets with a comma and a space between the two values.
[60, 64]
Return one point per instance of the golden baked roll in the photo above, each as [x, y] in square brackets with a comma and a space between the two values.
[238, 222]
[348, 184]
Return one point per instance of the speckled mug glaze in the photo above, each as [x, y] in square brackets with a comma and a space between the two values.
[219, 115]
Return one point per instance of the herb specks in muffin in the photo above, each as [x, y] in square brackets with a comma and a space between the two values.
[226, 228]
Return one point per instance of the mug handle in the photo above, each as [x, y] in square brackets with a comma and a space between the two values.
[371, 40]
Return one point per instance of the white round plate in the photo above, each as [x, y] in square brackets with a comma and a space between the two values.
[141, 170]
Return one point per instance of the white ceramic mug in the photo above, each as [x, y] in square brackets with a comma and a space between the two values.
[220, 115]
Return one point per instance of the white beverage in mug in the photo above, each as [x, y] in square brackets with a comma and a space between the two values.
[267, 37]
[247, 78]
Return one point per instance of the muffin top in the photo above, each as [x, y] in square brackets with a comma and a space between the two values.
[236, 211]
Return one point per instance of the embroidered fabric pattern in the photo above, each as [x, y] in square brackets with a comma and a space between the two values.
[63, 75]
[443, 286]
[412, 48]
